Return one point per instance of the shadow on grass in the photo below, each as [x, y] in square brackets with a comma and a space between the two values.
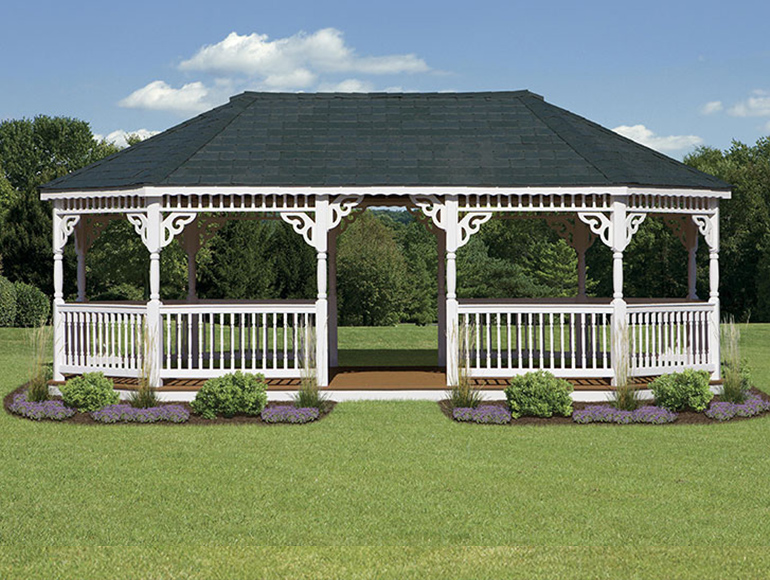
[388, 358]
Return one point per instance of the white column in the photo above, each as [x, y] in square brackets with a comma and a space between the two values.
[452, 319]
[441, 299]
[714, 329]
[619, 242]
[154, 323]
[58, 298]
[320, 241]
[333, 310]
[191, 241]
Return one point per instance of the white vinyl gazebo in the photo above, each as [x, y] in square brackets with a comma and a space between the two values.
[457, 161]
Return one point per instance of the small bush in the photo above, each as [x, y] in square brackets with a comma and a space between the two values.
[486, 414]
[231, 394]
[89, 392]
[121, 292]
[539, 394]
[124, 413]
[7, 302]
[40, 372]
[688, 389]
[32, 306]
[289, 414]
[37, 411]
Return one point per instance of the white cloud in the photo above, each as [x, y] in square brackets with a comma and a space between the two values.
[159, 96]
[347, 86]
[120, 137]
[711, 107]
[324, 51]
[645, 136]
[757, 105]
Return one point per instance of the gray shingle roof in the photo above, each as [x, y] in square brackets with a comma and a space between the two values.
[496, 139]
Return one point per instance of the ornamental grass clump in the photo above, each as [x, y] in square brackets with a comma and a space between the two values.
[40, 339]
[231, 394]
[37, 411]
[539, 394]
[485, 414]
[609, 414]
[145, 397]
[464, 394]
[308, 394]
[289, 414]
[125, 413]
[688, 389]
[724, 411]
[736, 380]
[625, 395]
[89, 392]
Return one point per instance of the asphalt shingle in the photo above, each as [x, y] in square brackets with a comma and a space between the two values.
[499, 139]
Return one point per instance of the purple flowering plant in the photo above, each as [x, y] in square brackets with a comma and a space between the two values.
[289, 414]
[487, 414]
[608, 414]
[37, 411]
[124, 413]
[724, 411]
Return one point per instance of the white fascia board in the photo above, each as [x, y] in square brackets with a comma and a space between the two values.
[155, 191]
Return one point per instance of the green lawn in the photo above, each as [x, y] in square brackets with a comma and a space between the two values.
[636, 501]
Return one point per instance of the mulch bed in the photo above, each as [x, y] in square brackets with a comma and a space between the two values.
[85, 418]
[685, 417]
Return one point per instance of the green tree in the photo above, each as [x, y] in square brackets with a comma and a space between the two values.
[744, 226]
[33, 152]
[371, 274]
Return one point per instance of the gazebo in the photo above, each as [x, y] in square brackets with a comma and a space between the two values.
[456, 160]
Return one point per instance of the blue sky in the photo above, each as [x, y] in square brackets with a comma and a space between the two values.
[670, 74]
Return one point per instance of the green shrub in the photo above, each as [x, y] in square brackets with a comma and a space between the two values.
[686, 390]
[539, 394]
[7, 302]
[231, 394]
[89, 392]
[32, 306]
[122, 291]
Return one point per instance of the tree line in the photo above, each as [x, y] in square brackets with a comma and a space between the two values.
[387, 260]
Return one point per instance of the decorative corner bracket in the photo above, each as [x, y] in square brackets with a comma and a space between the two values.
[706, 225]
[341, 207]
[302, 223]
[599, 223]
[431, 207]
[66, 225]
[173, 225]
[470, 224]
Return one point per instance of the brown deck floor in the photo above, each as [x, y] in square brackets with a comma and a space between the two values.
[391, 379]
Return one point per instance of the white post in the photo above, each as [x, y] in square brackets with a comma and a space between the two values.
[58, 297]
[452, 321]
[714, 329]
[320, 241]
[441, 299]
[154, 322]
[333, 310]
[191, 241]
[619, 242]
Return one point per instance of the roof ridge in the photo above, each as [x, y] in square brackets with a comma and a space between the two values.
[563, 140]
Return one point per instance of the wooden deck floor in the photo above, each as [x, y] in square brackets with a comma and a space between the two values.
[363, 378]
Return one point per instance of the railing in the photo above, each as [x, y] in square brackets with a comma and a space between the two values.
[102, 337]
[206, 340]
[570, 340]
[665, 338]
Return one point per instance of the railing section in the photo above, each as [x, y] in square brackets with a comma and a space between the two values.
[204, 340]
[668, 337]
[104, 338]
[508, 339]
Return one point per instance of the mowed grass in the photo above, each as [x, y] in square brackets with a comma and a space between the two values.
[633, 502]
